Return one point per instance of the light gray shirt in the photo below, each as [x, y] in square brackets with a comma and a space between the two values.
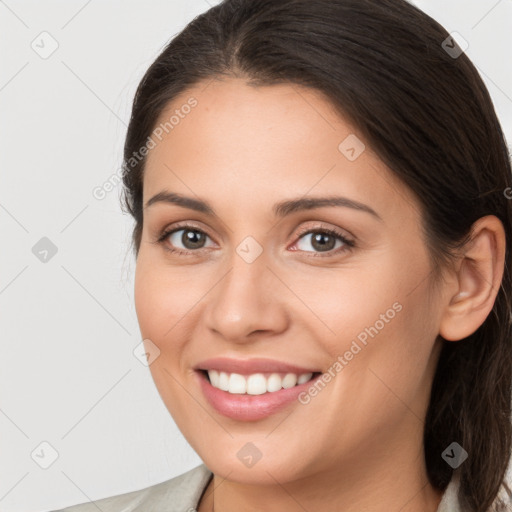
[183, 493]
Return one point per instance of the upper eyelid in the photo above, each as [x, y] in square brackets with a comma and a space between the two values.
[185, 225]
[322, 227]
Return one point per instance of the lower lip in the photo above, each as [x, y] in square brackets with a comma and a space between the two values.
[250, 407]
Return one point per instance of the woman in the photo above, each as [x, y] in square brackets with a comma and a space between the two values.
[323, 239]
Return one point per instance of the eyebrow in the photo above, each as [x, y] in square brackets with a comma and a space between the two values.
[281, 209]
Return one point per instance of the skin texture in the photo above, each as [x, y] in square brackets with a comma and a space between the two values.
[359, 441]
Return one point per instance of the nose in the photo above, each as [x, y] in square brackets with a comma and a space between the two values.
[248, 301]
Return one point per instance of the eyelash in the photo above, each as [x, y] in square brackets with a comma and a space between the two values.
[348, 244]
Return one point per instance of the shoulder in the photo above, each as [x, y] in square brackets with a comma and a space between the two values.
[450, 500]
[505, 492]
[180, 493]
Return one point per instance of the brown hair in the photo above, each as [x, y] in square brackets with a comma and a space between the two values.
[427, 114]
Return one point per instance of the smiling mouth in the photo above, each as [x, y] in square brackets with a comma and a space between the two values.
[256, 383]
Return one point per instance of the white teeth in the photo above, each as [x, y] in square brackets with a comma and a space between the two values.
[289, 381]
[304, 378]
[214, 378]
[255, 384]
[237, 384]
[274, 383]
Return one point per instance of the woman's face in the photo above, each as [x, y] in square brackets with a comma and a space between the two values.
[249, 284]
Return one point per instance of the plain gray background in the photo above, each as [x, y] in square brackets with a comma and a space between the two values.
[74, 396]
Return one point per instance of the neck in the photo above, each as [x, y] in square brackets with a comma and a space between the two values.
[402, 487]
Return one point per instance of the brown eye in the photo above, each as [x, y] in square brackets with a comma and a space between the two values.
[324, 240]
[183, 239]
[190, 238]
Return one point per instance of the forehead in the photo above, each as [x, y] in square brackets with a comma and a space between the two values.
[225, 138]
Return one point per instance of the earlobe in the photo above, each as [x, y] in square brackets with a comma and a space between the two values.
[478, 280]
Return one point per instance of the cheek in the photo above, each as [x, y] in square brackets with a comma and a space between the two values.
[349, 299]
[162, 306]
[163, 298]
[379, 319]
[148, 301]
[388, 353]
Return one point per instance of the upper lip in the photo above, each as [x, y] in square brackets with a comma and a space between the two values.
[249, 366]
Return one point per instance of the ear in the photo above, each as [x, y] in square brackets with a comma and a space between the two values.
[478, 280]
